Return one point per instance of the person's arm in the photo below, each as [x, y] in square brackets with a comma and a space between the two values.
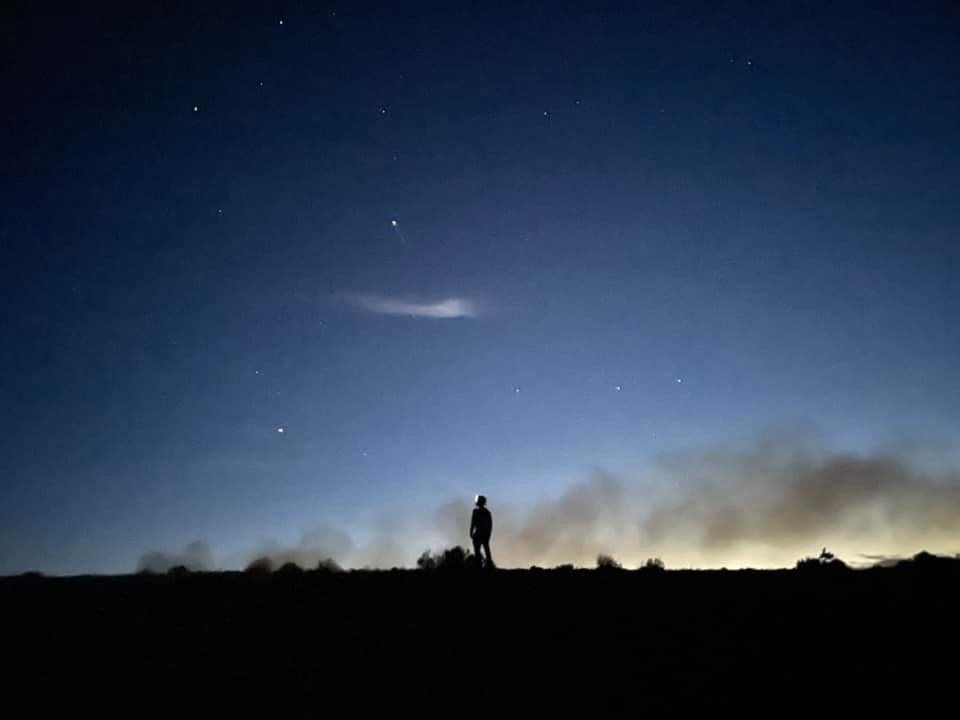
[473, 523]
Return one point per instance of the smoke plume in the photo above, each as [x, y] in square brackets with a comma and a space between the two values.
[765, 506]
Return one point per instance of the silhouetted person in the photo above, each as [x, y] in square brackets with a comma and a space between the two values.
[481, 526]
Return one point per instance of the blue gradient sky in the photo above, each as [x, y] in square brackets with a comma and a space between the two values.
[739, 217]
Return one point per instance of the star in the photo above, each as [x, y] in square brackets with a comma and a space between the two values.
[679, 380]
[256, 372]
[219, 211]
[546, 113]
[516, 390]
[393, 222]
[383, 111]
[281, 21]
[196, 108]
[280, 429]
[619, 387]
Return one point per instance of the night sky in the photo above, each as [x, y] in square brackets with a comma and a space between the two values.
[295, 273]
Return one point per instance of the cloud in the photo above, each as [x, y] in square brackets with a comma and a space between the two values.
[452, 307]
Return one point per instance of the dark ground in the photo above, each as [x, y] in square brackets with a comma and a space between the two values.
[506, 643]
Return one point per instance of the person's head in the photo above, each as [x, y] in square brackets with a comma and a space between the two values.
[481, 501]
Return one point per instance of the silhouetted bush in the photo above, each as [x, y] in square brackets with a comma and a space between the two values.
[606, 562]
[289, 568]
[928, 561]
[178, 570]
[195, 558]
[260, 566]
[923, 558]
[826, 561]
[330, 565]
[653, 565]
[566, 567]
[455, 558]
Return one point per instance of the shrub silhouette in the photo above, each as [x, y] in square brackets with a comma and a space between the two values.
[195, 558]
[260, 566]
[825, 561]
[289, 568]
[426, 561]
[924, 560]
[451, 559]
[329, 565]
[178, 570]
[653, 565]
[455, 558]
[606, 562]
[566, 567]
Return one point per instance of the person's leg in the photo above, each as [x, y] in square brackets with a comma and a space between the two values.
[476, 552]
[486, 548]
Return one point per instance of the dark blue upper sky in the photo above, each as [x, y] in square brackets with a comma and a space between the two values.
[658, 227]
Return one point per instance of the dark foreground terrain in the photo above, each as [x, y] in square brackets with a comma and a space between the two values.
[498, 644]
